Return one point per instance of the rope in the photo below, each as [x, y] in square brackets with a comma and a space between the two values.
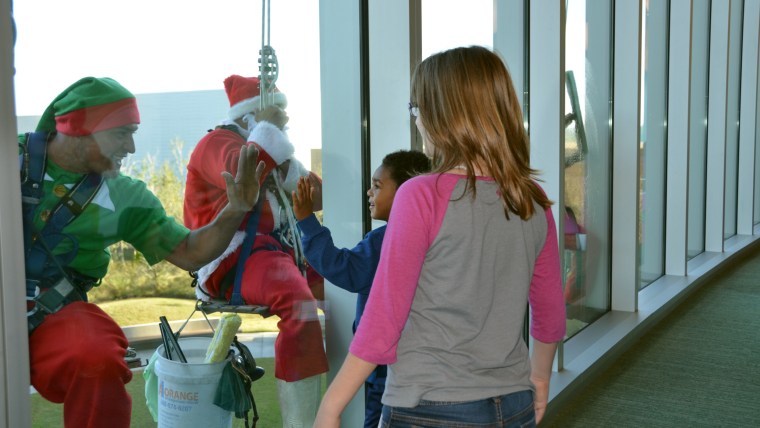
[295, 234]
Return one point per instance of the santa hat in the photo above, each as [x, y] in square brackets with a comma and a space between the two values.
[90, 105]
[243, 93]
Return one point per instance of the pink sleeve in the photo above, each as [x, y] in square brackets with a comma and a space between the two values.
[546, 299]
[414, 222]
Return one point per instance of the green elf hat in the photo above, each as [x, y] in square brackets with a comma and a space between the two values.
[90, 105]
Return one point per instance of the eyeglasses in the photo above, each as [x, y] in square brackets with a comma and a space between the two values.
[413, 109]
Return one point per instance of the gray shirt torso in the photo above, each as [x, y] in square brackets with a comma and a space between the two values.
[463, 340]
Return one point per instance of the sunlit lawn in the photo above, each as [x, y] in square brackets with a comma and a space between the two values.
[129, 312]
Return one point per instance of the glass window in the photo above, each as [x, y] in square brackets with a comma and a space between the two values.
[474, 24]
[653, 147]
[587, 181]
[175, 57]
[700, 55]
[733, 99]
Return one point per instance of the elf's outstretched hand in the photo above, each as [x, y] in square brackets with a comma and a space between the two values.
[303, 199]
[243, 189]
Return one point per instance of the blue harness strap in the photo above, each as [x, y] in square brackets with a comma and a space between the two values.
[43, 269]
[39, 257]
[250, 236]
[32, 165]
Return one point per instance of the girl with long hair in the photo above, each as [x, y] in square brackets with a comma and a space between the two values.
[467, 247]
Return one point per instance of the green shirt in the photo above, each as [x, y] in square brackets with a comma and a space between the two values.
[123, 209]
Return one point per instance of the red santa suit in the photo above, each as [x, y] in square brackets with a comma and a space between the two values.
[271, 277]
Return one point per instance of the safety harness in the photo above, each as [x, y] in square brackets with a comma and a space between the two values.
[49, 284]
[288, 239]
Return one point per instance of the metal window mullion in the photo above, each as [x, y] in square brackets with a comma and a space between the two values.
[756, 178]
[509, 41]
[747, 119]
[14, 346]
[390, 53]
[340, 83]
[625, 157]
[715, 192]
[415, 56]
[679, 100]
[546, 105]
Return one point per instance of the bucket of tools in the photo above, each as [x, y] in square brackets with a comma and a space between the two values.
[186, 389]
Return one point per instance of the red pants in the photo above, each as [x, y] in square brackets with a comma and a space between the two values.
[77, 358]
[271, 278]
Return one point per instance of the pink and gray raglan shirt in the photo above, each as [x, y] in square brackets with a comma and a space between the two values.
[448, 301]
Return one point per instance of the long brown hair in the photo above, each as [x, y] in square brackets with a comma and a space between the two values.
[472, 117]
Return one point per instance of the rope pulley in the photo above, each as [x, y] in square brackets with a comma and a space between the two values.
[268, 67]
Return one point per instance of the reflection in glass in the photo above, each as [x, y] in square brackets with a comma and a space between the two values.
[586, 257]
[653, 145]
[733, 99]
[700, 54]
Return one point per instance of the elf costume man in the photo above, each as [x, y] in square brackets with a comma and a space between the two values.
[275, 273]
[76, 350]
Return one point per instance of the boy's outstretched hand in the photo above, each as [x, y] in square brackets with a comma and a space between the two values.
[303, 199]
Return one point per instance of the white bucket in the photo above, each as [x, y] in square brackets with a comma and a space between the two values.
[186, 390]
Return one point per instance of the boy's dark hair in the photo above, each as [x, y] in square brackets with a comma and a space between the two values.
[405, 164]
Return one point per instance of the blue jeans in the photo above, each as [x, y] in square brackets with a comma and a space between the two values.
[506, 411]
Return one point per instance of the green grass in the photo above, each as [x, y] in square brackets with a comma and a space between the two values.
[147, 310]
[46, 414]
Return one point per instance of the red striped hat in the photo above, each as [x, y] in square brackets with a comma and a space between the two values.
[90, 105]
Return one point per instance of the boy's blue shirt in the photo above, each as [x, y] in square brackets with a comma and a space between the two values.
[350, 269]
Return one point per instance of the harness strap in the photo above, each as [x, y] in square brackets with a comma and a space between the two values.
[42, 266]
[32, 163]
[51, 301]
[250, 235]
[71, 205]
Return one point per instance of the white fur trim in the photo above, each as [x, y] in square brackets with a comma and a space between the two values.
[252, 105]
[205, 272]
[296, 170]
[273, 140]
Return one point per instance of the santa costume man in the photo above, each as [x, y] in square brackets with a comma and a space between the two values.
[275, 273]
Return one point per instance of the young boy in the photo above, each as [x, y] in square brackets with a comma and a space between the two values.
[354, 269]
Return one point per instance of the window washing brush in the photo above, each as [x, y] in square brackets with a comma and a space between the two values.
[217, 351]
